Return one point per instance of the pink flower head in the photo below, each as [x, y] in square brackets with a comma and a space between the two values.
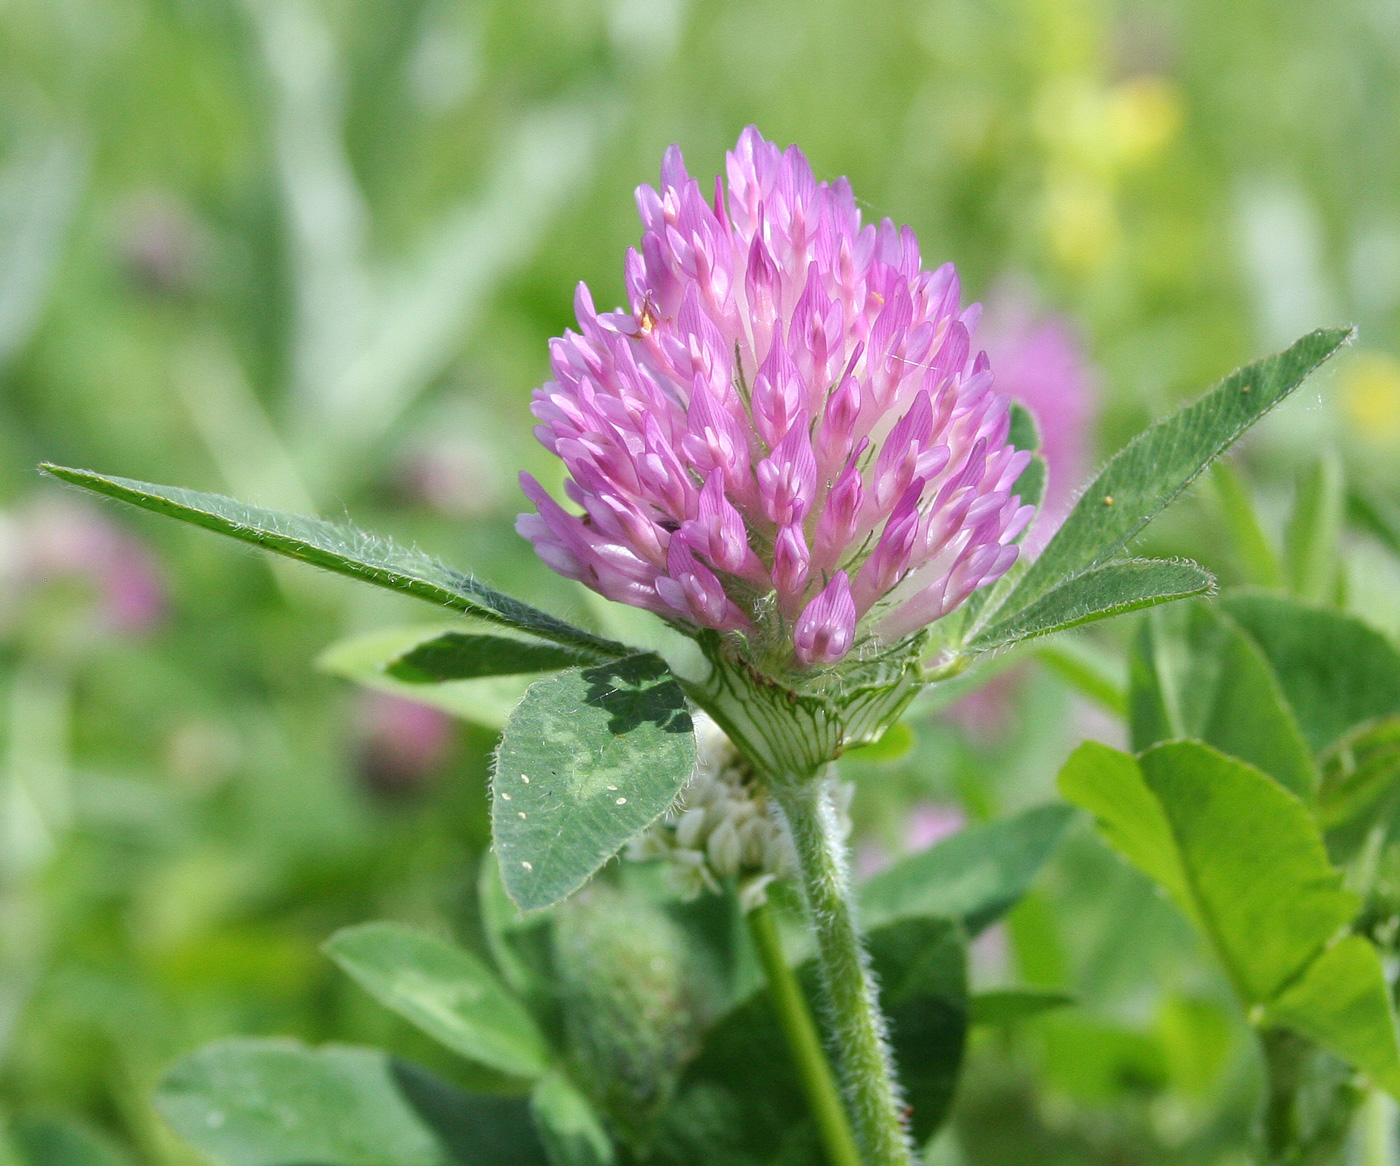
[788, 435]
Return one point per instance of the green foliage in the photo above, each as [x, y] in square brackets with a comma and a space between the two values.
[1245, 861]
[1358, 773]
[1196, 674]
[629, 1004]
[1335, 671]
[365, 659]
[1030, 486]
[739, 1101]
[588, 760]
[1247, 538]
[466, 656]
[975, 876]
[446, 991]
[1006, 1006]
[52, 1142]
[1311, 541]
[1144, 477]
[344, 551]
[1098, 593]
[1024, 432]
[279, 1103]
[568, 1126]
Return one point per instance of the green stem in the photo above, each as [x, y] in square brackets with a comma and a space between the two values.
[856, 1023]
[1377, 1121]
[803, 1042]
[1284, 1054]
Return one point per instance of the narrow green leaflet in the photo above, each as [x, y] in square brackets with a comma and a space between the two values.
[1007, 1006]
[345, 551]
[364, 659]
[588, 760]
[570, 1128]
[1196, 674]
[1248, 541]
[1376, 515]
[1336, 672]
[976, 875]
[447, 992]
[469, 656]
[279, 1103]
[1143, 478]
[1099, 593]
[1314, 530]
[1244, 858]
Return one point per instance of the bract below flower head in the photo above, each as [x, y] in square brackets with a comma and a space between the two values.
[788, 435]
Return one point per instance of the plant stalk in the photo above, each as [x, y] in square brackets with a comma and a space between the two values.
[855, 1021]
[804, 1043]
[1377, 1122]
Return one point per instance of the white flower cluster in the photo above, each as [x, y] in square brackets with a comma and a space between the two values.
[724, 826]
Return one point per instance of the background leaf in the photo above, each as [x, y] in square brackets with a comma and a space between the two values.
[469, 656]
[975, 876]
[1011, 1005]
[1196, 674]
[54, 1142]
[589, 759]
[1144, 477]
[1342, 1001]
[1237, 850]
[1311, 540]
[1336, 672]
[447, 992]
[279, 1103]
[571, 1131]
[1245, 860]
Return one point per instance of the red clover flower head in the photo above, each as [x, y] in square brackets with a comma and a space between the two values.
[788, 434]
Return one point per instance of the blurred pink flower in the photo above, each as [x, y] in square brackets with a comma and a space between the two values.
[789, 433]
[400, 742]
[62, 539]
[931, 822]
[926, 824]
[1040, 362]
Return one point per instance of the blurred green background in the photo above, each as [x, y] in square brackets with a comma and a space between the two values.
[310, 252]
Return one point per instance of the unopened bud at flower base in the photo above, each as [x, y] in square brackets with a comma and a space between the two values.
[789, 424]
[724, 826]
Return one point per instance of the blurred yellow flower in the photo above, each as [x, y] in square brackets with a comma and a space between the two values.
[1144, 115]
[1081, 220]
[1369, 387]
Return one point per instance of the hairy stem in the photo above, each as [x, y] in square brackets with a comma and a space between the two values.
[856, 1023]
[804, 1043]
